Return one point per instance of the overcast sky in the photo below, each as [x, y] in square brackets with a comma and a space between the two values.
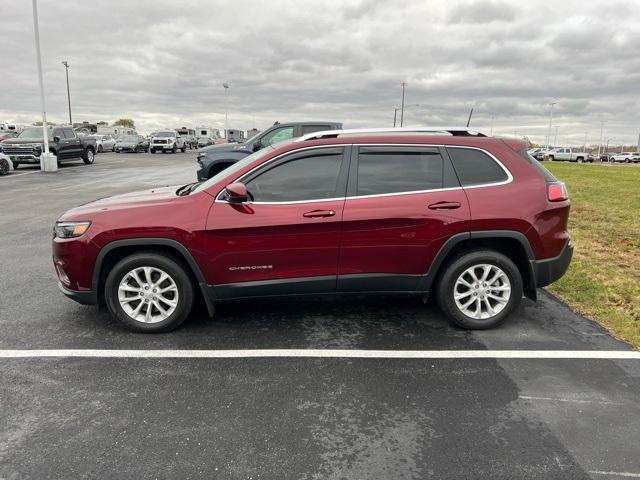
[163, 63]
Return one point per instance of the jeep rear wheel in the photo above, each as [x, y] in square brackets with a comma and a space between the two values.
[478, 290]
[149, 292]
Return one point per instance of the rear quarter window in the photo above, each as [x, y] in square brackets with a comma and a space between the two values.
[546, 174]
[475, 167]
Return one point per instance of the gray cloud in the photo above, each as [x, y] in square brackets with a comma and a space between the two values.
[163, 63]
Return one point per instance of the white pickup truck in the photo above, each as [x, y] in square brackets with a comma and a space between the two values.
[568, 155]
[167, 141]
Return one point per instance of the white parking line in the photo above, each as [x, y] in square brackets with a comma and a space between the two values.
[329, 353]
[570, 400]
[616, 474]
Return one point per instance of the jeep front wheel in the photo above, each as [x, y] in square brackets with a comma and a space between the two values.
[478, 290]
[149, 292]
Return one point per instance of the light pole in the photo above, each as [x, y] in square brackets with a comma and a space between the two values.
[491, 134]
[403, 84]
[395, 112]
[48, 162]
[555, 139]
[606, 149]
[585, 142]
[550, 120]
[226, 111]
[66, 67]
[600, 143]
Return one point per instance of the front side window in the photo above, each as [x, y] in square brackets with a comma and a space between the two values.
[395, 170]
[475, 167]
[312, 177]
[68, 133]
[277, 135]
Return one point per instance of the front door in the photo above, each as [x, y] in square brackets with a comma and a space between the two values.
[285, 238]
[403, 203]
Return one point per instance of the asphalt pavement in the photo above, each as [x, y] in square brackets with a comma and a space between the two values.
[291, 417]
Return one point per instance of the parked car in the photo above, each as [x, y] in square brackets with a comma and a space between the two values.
[105, 143]
[189, 136]
[216, 158]
[63, 143]
[626, 157]
[6, 165]
[420, 212]
[167, 141]
[567, 155]
[131, 143]
[205, 141]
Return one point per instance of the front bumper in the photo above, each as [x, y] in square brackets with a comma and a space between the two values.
[32, 159]
[162, 146]
[84, 297]
[549, 270]
[126, 149]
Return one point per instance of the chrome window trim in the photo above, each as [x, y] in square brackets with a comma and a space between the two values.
[316, 200]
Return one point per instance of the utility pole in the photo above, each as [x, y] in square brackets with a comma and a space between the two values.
[66, 67]
[555, 140]
[226, 112]
[48, 162]
[550, 120]
[395, 115]
[403, 84]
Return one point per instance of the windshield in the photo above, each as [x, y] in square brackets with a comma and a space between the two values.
[128, 138]
[34, 132]
[165, 134]
[236, 167]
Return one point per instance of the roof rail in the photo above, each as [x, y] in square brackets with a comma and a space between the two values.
[454, 131]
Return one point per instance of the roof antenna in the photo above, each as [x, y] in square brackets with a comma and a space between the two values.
[470, 113]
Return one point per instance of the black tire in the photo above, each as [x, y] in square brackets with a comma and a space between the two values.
[152, 150]
[454, 268]
[551, 158]
[16, 165]
[174, 149]
[88, 156]
[184, 147]
[173, 268]
[113, 149]
[99, 148]
[4, 166]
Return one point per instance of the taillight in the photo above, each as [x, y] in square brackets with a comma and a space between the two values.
[557, 192]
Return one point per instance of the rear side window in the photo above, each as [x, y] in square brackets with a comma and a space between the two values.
[548, 176]
[388, 170]
[314, 128]
[475, 167]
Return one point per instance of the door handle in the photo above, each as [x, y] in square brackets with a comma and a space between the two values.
[319, 213]
[444, 205]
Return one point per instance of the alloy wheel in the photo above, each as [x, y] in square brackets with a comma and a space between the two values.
[482, 291]
[148, 294]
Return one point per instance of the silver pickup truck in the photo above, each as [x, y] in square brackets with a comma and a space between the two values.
[565, 154]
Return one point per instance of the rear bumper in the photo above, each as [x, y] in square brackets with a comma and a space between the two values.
[549, 270]
[84, 297]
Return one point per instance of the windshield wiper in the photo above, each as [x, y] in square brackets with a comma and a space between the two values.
[187, 189]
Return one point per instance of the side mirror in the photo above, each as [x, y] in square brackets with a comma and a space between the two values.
[237, 192]
[257, 146]
[56, 139]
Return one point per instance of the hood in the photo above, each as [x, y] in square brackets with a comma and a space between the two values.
[141, 199]
[19, 141]
[225, 147]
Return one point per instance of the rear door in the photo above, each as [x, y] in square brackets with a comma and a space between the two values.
[74, 145]
[285, 239]
[403, 203]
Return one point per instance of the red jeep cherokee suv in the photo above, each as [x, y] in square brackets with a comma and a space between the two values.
[473, 219]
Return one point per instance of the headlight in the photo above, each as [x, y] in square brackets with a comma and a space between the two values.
[70, 229]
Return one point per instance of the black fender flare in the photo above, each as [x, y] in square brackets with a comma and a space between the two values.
[150, 242]
[428, 279]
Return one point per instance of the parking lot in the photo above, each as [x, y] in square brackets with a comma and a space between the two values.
[301, 388]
